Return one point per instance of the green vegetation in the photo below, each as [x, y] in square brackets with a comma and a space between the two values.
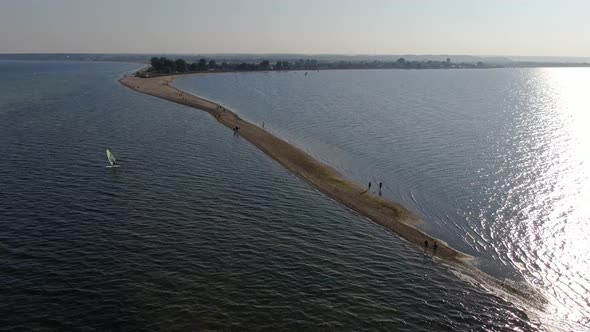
[162, 65]
[202, 66]
[181, 66]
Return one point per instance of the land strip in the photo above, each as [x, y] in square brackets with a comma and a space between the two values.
[389, 214]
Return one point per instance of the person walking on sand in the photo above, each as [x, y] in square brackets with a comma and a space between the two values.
[434, 246]
[380, 185]
[425, 245]
[369, 187]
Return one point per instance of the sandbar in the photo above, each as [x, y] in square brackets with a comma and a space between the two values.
[327, 180]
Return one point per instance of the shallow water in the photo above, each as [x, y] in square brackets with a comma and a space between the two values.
[495, 162]
[197, 229]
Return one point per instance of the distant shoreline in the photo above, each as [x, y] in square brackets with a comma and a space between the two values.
[491, 61]
[389, 214]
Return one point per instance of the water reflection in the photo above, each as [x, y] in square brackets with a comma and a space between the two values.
[494, 161]
[545, 190]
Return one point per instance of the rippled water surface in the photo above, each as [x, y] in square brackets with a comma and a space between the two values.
[496, 162]
[198, 229]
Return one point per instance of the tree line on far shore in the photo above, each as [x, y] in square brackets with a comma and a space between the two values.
[164, 65]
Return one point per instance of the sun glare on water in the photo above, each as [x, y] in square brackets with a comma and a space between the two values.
[556, 211]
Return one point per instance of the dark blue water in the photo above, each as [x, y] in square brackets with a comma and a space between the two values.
[495, 162]
[197, 229]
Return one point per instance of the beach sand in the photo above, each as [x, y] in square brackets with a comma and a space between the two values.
[389, 214]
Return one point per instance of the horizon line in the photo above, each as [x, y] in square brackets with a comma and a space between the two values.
[303, 54]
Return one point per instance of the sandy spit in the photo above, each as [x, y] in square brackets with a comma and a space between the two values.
[389, 214]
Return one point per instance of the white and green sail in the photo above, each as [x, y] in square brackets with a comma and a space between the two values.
[111, 158]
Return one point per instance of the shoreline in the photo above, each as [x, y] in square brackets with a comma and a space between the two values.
[327, 180]
[323, 177]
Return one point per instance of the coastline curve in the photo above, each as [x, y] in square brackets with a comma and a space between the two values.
[327, 180]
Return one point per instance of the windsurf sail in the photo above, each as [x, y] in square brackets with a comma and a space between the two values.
[111, 158]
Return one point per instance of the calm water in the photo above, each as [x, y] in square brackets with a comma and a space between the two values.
[496, 162]
[199, 229]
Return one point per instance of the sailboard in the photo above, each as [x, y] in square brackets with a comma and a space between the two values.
[112, 160]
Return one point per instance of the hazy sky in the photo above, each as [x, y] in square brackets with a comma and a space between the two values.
[480, 27]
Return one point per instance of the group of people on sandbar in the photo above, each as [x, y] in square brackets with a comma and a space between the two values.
[236, 130]
[369, 188]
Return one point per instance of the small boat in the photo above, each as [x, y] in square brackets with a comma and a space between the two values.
[112, 160]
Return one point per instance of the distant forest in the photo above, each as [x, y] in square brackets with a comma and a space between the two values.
[162, 65]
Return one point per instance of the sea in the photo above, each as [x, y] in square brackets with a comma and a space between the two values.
[199, 230]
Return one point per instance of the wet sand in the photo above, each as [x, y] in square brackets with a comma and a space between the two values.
[389, 214]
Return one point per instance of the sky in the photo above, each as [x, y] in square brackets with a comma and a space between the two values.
[475, 27]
